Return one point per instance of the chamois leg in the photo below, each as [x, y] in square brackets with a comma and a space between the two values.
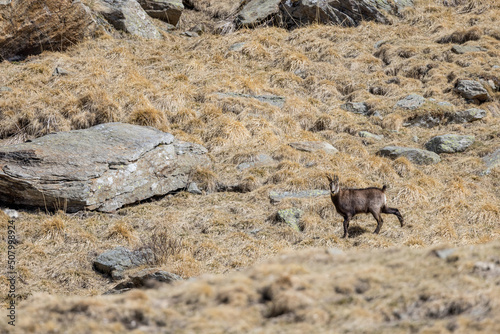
[379, 220]
[346, 225]
[394, 211]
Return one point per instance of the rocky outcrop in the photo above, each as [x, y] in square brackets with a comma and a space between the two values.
[100, 168]
[128, 16]
[28, 27]
[295, 13]
[472, 91]
[450, 143]
[166, 10]
[114, 261]
[415, 155]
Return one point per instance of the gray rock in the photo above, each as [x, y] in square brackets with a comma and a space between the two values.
[469, 115]
[14, 214]
[257, 161]
[128, 16]
[491, 161]
[334, 251]
[291, 217]
[60, 71]
[274, 100]
[443, 253]
[276, 196]
[193, 189]
[366, 134]
[449, 143]
[169, 11]
[5, 89]
[461, 49]
[113, 262]
[411, 102]
[257, 11]
[147, 278]
[313, 146]
[237, 46]
[415, 155]
[100, 168]
[356, 107]
[472, 90]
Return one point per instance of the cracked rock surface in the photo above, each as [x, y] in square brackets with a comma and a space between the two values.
[101, 168]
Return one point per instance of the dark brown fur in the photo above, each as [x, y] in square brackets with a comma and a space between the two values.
[350, 202]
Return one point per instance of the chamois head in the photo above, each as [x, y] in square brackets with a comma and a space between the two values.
[334, 184]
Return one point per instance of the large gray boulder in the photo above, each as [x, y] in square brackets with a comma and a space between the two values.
[449, 143]
[30, 26]
[166, 10]
[415, 155]
[128, 16]
[102, 168]
[295, 13]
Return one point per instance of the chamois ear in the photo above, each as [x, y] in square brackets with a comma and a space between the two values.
[329, 177]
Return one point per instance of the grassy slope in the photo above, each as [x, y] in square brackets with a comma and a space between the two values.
[172, 84]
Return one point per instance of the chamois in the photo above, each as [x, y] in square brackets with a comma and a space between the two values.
[350, 202]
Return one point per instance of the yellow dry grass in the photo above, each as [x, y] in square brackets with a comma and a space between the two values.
[173, 85]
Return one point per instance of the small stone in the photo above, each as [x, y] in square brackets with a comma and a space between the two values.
[237, 46]
[5, 89]
[60, 71]
[356, 107]
[334, 251]
[472, 90]
[443, 253]
[114, 261]
[469, 115]
[491, 161]
[257, 161]
[193, 189]
[366, 134]
[415, 155]
[291, 217]
[411, 102]
[461, 49]
[449, 143]
[313, 146]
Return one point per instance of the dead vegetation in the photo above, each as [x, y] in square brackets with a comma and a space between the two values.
[173, 85]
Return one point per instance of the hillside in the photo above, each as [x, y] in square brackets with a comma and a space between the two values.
[206, 90]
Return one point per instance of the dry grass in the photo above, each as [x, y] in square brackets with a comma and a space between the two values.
[173, 85]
